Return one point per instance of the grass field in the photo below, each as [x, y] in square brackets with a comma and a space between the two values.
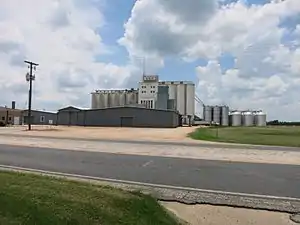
[281, 136]
[32, 199]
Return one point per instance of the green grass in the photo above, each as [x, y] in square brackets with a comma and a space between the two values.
[280, 136]
[32, 199]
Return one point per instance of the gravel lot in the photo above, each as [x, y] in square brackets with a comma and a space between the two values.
[175, 134]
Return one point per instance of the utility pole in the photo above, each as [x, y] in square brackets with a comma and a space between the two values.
[29, 78]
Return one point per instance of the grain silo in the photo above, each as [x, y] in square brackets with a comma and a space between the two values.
[217, 114]
[113, 98]
[207, 113]
[236, 119]
[248, 119]
[224, 115]
[260, 119]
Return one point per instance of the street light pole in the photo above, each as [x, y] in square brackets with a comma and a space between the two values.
[29, 78]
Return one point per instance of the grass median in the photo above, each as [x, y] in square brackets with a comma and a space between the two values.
[279, 136]
[32, 199]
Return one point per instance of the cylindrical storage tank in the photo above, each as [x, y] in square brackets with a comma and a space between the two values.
[131, 98]
[111, 97]
[260, 119]
[217, 114]
[190, 100]
[94, 101]
[104, 100]
[181, 100]
[122, 97]
[117, 99]
[172, 91]
[248, 119]
[207, 113]
[225, 116]
[236, 119]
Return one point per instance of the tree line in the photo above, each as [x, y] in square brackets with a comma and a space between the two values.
[283, 123]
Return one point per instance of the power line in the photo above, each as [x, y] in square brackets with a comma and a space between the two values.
[29, 78]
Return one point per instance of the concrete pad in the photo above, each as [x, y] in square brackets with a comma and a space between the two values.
[216, 215]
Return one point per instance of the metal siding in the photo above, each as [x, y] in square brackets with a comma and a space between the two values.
[162, 97]
[141, 117]
[181, 99]
[190, 100]
[36, 116]
[94, 101]
[172, 91]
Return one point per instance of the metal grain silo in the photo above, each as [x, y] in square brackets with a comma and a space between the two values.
[217, 114]
[236, 119]
[131, 97]
[104, 102]
[181, 99]
[122, 96]
[248, 119]
[225, 116]
[260, 119]
[190, 100]
[114, 99]
[207, 113]
[94, 101]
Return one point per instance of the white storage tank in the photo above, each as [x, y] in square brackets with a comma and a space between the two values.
[181, 99]
[190, 100]
[225, 116]
[217, 114]
[260, 119]
[207, 112]
[94, 101]
[236, 119]
[248, 119]
[122, 97]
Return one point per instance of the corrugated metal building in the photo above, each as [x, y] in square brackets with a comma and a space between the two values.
[126, 116]
[40, 117]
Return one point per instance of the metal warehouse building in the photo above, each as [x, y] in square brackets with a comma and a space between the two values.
[126, 116]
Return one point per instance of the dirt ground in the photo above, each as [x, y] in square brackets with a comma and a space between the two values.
[171, 134]
[216, 215]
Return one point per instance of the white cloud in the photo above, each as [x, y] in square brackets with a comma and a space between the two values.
[62, 37]
[266, 53]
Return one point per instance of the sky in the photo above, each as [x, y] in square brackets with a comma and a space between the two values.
[243, 53]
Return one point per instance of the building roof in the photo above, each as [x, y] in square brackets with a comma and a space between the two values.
[3, 108]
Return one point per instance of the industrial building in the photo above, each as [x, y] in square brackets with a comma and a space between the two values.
[125, 116]
[152, 94]
[39, 117]
[10, 115]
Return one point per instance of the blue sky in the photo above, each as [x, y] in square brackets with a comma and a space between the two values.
[266, 74]
[117, 13]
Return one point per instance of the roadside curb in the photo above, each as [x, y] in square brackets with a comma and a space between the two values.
[184, 195]
[295, 218]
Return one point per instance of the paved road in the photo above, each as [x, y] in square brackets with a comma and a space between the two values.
[264, 179]
[178, 143]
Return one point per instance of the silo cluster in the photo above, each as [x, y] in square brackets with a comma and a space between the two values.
[216, 114]
[248, 118]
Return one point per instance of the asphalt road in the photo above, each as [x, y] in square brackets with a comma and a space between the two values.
[178, 143]
[263, 179]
